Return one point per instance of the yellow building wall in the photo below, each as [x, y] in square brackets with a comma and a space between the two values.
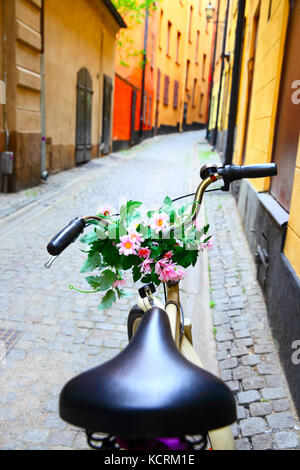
[178, 14]
[266, 83]
[218, 66]
[83, 37]
[292, 244]
[199, 70]
[1, 75]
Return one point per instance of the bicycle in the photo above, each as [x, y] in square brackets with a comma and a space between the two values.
[155, 394]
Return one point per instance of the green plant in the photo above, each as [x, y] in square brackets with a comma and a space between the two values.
[133, 12]
[156, 247]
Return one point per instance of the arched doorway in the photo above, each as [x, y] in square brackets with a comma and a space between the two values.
[84, 116]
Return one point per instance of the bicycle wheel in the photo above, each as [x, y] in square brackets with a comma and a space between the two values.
[134, 318]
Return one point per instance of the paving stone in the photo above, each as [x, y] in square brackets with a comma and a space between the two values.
[36, 435]
[229, 363]
[273, 393]
[224, 336]
[267, 369]
[61, 438]
[260, 409]
[224, 345]
[262, 442]
[239, 352]
[241, 412]
[252, 426]
[222, 355]
[226, 375]
[248, 397]
[263, 348]
[281, 420]
[274, 381]
[244, 333]
[242, 444]
[251, 383]
[280, 405]
[242, 372]
[250, 360]
[233, 385]
[286, 440]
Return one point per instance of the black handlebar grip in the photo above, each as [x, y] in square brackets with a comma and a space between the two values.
[233, 173]
[64, 238]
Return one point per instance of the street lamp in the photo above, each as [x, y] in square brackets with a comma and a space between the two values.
[209, 11]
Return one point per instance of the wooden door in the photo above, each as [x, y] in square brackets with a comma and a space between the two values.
[84, 116]
[106, 122]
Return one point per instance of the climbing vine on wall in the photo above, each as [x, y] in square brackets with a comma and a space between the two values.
[133, 12]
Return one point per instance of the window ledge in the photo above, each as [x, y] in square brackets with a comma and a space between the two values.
[280, 215]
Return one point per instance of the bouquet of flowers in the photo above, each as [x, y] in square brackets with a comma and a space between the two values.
[156, 247]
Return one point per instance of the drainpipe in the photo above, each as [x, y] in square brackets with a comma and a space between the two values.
[44, 172]
[212, 73]
[221, 75]
[144, 74]
[4, 30]
[236, 75]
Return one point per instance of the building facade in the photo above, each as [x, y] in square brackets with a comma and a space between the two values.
[58, 66]
[266, 129]
[170, 94]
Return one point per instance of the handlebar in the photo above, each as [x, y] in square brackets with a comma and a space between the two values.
[66, 236]
[209, 174]
[232, 173]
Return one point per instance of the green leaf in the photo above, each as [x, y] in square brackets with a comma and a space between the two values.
[125, 294]
[93, 262]
[136, 274]
[107, 301]
[101, 232]
[89, 238]
[128, 261]
[103, 282]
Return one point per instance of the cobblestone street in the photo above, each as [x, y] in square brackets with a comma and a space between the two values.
[61, 333]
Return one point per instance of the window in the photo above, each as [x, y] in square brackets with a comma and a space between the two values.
[176, 90]
[158, 85]
[201, 104]
[197, 46]
[160, 27]
[178, 47]
[145, 109]
[194, 92]
[199, 6]
[169, 38]
[190, 24]
[166, 90]
[149, 111]
[187, 75]
[203, 66]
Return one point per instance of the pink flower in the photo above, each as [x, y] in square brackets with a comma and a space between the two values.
[120, 283]
[145, 266]
[172, 272]
[127, 246]
[144, 253]
[105, 210]
[159, 222]
[197, 225]
[136, 237]
[160, 265]
[207, 246]
[168, 255]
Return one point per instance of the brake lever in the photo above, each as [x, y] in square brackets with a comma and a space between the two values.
[50, 261]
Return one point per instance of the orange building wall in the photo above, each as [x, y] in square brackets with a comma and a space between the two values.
[164, 115]
[132, 74]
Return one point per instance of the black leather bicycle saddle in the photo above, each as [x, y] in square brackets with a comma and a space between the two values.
[149, 390]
